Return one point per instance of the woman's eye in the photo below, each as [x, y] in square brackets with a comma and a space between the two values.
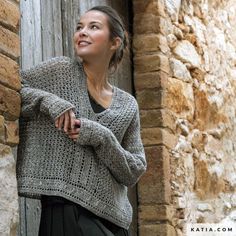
[94, 27]
[79, 27]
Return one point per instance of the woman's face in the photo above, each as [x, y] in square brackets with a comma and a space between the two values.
[92, 38]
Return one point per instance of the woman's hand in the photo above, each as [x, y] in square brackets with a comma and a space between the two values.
[74, 133]
[66, 121]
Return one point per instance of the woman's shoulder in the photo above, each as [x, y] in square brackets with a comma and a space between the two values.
[53, 67]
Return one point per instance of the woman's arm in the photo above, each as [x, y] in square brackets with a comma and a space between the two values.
[34, 101]
[126, 161]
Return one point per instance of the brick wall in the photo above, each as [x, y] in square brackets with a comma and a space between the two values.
[9, 113]
[185, 73]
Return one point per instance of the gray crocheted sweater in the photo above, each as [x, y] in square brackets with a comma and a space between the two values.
[107, 157]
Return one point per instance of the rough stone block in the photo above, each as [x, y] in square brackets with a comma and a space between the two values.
[12, 133]
[9, 14]
[9, 206]
[179, 70]
[9, 43]
[9, 73]
[2, 129]
[157, 230]
[156, 136]
[186, 52]
[154, 186]
[165, 26]
[10, 103]
[150, 63]
[178, 97]
[207, 116]
[207, 185]
[155, 213]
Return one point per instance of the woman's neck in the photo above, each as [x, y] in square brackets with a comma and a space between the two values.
[97, 77]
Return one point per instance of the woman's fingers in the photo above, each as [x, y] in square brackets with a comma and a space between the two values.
[74, 136]
[74, 133]
[66, 122]
[56, 122]
[60, 121]
[72, 119]
[70, 123]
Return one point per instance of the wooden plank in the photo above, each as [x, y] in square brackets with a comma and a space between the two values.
[124, 74]
[86, 5]
[31, 54]
[21, 230]
[47, 29]
[51, 28]
[33, 213]
[30, 33]
[70, 15]
[57, 27]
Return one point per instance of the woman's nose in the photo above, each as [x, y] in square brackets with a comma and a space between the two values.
[83, 32]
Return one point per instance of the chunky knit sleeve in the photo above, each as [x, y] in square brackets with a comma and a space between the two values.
[35, 100]
[126, 161]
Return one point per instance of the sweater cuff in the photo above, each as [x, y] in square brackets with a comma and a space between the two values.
[58, 107]
[89, 132]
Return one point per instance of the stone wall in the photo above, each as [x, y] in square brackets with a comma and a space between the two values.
[9, 113]
[185, 80]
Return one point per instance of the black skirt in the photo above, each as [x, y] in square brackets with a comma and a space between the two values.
[61, 217]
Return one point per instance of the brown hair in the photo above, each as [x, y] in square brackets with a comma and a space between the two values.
[117, 29]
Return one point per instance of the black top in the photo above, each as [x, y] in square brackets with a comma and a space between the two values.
[97, 108]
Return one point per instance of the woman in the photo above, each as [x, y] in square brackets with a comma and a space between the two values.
[80, 145]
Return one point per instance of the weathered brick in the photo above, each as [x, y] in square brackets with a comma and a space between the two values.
[10, 103]
[157, 230]
[145, 23]
[150, 80]
[9, 73]
[12, 133]
[156, 136]
[157, 118]
[154, 213]
[9, 14]
[149, 6]
[150, 63]
[150, 43]
[2, 129]
[174, 95]
[9, 43]
[149, 98]
[154, 186]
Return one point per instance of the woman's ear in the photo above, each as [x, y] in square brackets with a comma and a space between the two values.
[116, 42]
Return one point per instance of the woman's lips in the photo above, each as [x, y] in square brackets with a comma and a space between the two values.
[83, 43]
